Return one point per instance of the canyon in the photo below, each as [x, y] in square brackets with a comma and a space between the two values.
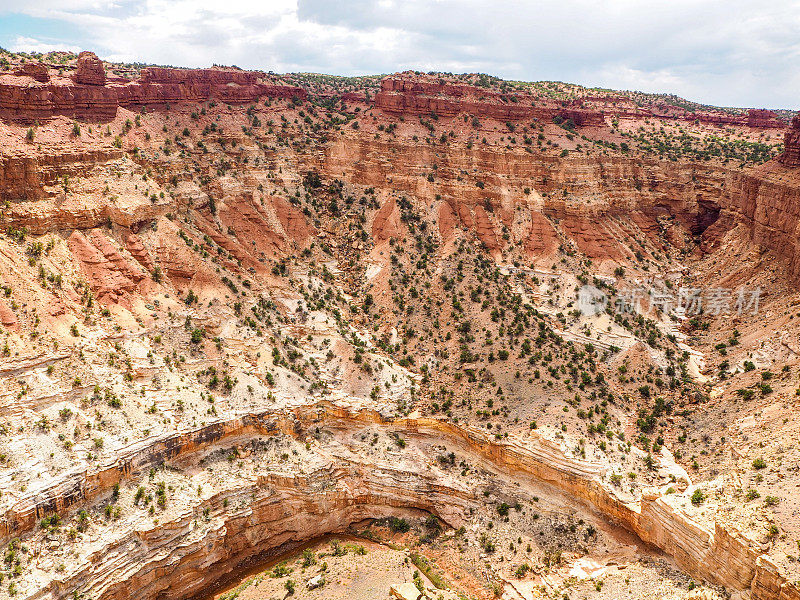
[242, 310]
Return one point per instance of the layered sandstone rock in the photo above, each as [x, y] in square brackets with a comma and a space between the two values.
[177, 560]
[111, 275]
[89, 95]
[133, 244]
[89, 69]
[542, 239]
[281, 511]
[791, 143]
[37, 71]
[763, 119]
[766, 202]
[25, 175]
[756, 118]
[173, 76]
[422, 95]
[601, 203]
[419, 96]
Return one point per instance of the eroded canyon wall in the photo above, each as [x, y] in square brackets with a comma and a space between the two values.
[417, 95]
[791, 143]
[765, 203]
[289, 509]
[600, 203]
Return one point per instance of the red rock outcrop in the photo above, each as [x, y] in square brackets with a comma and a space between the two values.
[592, 236]
[354, 97]
[484, 228]
[420, 96]
[295, 226]
[791, 143]
[386, 223]
[604, 202]
[757, 118]
[274, 228]
[110, 274]
[766, 202]
[542, 238]
[199, 77]
[37, 71]
[7, 317]
[763, 119]
[447, 221]
[24, 174]
[89, 95]
[89, 70]
[133, 244]
[178, 263]
[248, 222]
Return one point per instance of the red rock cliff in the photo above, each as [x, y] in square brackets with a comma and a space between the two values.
[410, 95]
[791, 142]
[88, 94]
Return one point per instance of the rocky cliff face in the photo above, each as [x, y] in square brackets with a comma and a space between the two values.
[26, 176]
[611, 200]
[90, 95]
[763, 119]
[420, 95]
[412, 96]
[766, 203]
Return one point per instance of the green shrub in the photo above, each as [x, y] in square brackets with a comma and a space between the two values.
[698, 497]
[399, 525]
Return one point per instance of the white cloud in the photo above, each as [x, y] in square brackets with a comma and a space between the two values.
[724, 52]
[623, 77]
[27, 44]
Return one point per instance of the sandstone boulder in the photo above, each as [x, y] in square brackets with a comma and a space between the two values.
[405, 591]
[315, 582]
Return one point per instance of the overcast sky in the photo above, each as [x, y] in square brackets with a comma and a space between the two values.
[730, 52]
